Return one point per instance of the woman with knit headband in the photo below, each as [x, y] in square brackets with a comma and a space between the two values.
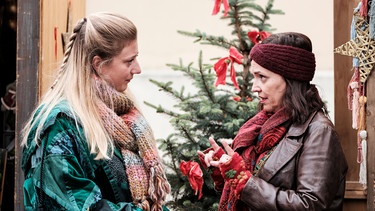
[86, 146]
[288, 156]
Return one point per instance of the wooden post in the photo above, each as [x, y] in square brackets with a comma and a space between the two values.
[28, 26]
[370, 127]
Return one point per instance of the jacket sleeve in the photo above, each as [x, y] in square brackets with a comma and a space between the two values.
[319, 175]
[67, 180]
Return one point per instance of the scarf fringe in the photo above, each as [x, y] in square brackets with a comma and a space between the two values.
[159, 187]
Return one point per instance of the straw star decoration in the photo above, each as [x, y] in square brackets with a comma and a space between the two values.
[362, 47]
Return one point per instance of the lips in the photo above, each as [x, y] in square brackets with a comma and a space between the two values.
[262, 99]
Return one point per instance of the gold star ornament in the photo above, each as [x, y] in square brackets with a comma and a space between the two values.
[362, 47]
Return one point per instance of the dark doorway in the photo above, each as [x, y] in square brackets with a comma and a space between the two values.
[8, 50]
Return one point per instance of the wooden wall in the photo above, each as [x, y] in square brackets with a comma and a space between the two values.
[357, 197]
[54, 17]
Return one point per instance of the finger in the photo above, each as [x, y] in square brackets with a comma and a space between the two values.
[213, 143]
[208, 158]
[200, 153]
[224, 159]
[215, 163]
[227, 148]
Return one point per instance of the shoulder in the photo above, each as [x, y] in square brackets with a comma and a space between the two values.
[59, 113]
[59, 132]
[321, 130]
[321, 119]
[317, 121]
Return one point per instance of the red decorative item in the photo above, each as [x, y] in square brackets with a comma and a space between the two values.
[217, 7]
[221, 67]
[363, 11]
[257, 37]
[55, 40]
[195, 176]
[238, 98]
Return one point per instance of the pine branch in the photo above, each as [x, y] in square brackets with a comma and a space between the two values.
[237, 26]
[162, 110]
[204, 81]
[170, 148]
[204, 39]
[166, 87]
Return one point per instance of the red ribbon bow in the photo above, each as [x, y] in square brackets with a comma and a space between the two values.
[217, 7]
[257, 37]
[222, 65]
[195, 176]
[238, 98]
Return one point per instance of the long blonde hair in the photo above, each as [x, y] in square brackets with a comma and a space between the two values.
[100, 34]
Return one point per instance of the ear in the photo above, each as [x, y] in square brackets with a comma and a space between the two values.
[96, 63]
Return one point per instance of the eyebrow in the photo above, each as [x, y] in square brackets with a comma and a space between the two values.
[130, 57]
[255, 72]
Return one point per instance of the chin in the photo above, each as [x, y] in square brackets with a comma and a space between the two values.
[122, 89]
[269, 110]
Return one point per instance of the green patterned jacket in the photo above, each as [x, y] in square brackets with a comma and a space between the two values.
[72, 179]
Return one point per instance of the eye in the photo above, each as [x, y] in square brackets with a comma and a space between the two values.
[262, 77]
[131, 61]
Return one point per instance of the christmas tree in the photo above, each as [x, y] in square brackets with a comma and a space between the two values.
[217, 108]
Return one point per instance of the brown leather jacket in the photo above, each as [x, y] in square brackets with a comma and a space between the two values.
[306, 171]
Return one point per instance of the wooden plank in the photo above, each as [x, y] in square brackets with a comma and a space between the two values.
[354, 204]
[3, 167]
[54, 15]
[27, 81]
[354, 190]
[370, 120]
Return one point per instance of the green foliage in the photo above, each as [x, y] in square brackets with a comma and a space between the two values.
[210, 110]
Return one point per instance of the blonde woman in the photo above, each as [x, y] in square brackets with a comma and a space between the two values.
[86, 146]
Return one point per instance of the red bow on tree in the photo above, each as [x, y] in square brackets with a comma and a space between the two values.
[221, 67]
[257, 37]
[238, 98]
[195, 176]
[217, 7]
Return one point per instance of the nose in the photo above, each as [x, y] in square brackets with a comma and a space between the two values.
[136, 69]
[255, 87]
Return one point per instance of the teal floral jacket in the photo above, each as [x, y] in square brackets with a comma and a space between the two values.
[70, 177]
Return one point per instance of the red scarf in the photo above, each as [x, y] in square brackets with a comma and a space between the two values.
[256, 137]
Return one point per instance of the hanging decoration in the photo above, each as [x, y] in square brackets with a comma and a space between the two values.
[55, 41]
[65, 36]
[362, 48]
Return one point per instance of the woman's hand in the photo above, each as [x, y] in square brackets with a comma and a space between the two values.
[211, 159]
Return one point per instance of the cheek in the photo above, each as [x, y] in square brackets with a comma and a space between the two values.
[279, 92]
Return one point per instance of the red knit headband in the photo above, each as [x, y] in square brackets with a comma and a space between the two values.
[287, 61]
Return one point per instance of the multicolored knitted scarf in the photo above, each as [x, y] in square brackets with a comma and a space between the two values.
[255, 138]
[133, 136]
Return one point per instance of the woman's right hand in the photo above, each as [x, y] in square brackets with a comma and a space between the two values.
[212, 155]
